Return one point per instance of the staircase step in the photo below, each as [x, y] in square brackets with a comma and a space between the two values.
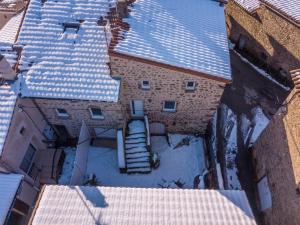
[139, 170]
[137, 155]
[137, 160]
[138, 165]
[136, 126]
[134, 136]
[135, 141]
[135, 150]
[130, 146]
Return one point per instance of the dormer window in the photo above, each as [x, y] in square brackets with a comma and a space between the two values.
[70, 30]
[190, 85]
[145, 85]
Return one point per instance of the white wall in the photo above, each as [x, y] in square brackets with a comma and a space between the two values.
[78, 173]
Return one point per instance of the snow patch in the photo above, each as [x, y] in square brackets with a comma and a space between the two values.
[231, 150]
[260, 122]
[68, 166]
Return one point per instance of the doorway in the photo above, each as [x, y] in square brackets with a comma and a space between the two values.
[137, 108]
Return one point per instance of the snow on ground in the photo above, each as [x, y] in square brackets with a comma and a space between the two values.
[260, 122]
[231, 151]
[250, 130]
[67, 169]
[182, 164]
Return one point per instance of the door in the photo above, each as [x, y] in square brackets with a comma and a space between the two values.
[63, 134]
[137, 108]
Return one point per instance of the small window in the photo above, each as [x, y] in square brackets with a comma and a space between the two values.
[145, 85]
[96, 113]
[62, 112]
[28, 159]
[169, 106]
[190, 85]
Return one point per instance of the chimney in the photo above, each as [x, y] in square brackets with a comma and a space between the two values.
[6, 72]
[122, 8]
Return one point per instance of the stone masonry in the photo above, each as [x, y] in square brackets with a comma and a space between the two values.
[277, 154]
[79, 111]
[269, 37]
[194, 108]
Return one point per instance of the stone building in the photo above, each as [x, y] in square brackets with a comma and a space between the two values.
[78, 69]
[277, 163]
[268, 32]
[173, 67]
[25, 137]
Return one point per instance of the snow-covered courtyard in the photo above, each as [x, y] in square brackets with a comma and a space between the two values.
[178, 167]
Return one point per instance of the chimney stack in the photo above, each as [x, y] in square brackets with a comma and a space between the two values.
[122, 8]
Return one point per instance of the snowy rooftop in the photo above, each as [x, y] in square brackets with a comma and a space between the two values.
[136, 206]
[288, 7]
[8, 34]
[65, 51]
[9, 184]
[8, 96]
[190, 36]
[249, 5]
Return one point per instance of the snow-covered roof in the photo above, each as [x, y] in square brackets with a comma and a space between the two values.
[8, 34]
[188, 35]
[249, 5]
[9, 184]
[8, 97]
[136, 206]
[289, 7]
[65, 51]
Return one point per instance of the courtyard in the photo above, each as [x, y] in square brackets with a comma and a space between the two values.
[181, 166]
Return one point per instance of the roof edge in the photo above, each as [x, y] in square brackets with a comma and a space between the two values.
[170, 67]
[281, 13]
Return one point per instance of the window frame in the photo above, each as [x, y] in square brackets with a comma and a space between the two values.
[60, 114]
[32, 158]
[145, 87]
[188, 88]
[96, 117]
[168, 109]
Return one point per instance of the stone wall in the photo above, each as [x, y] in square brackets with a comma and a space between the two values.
[277, 154]
[79, 111]
[273, 40]
[194, 108]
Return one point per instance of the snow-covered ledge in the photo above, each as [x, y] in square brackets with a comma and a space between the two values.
[147, 130]
[121, 152]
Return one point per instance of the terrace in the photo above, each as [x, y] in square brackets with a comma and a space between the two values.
[176, 161]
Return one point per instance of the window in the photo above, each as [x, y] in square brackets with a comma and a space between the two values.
[96, 113]
[28, 159]
[169, 106]
[190, 85]
[62, 112]
[145, 85]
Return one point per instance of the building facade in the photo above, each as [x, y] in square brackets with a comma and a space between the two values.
[153, 86]
[267, 32]
[277, 163]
